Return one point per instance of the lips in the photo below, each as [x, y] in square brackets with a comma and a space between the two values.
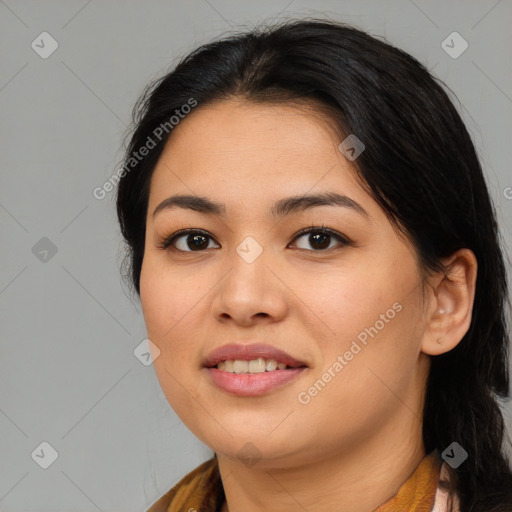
[249, 352]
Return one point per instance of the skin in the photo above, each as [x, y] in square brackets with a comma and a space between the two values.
[359, 439]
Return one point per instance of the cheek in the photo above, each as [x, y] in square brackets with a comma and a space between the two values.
[347, 304]
[153, 306]
[166, 299]
[373, 320]
[359, 382]
[174, 315]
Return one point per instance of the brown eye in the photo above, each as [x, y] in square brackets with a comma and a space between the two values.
[188, 241]
[320, 239]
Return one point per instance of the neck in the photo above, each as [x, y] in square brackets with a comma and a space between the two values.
[359, 478]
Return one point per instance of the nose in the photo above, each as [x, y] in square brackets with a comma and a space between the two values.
[250, 293]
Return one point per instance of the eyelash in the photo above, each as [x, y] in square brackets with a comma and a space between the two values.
[168, 241]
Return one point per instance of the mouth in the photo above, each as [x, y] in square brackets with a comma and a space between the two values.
[251, 358]
[259, 365]
[251, 370]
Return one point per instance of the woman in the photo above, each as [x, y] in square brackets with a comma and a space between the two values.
[321, 277]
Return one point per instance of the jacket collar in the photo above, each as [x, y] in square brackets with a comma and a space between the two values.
[202, 489]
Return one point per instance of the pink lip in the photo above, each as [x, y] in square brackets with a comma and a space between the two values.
[252, 384]
[234, 351]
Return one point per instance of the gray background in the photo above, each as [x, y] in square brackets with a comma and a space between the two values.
[69, 328]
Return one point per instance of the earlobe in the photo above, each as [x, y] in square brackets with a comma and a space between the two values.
[451, 296]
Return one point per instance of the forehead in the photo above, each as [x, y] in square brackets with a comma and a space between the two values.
[246, 129]
[239, 144]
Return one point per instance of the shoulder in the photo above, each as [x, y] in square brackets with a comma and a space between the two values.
[200, 489]
[441, 500]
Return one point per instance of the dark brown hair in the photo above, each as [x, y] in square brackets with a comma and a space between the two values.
[419, 158]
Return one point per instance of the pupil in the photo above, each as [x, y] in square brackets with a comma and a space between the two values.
[196, 242]
[320, 240]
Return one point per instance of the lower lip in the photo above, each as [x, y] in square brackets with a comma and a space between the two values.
[252, 384]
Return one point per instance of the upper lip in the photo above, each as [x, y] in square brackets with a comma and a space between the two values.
[234, 351]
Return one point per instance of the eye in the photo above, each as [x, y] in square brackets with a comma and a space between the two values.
[188, 240]
[320, 238]
[195, 240]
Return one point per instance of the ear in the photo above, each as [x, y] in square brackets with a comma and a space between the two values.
[450, 299]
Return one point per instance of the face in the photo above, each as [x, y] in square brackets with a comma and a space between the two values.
[344, 302]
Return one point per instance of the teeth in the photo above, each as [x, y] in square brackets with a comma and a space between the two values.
[271, 365]
[240, 366]
[259, 365]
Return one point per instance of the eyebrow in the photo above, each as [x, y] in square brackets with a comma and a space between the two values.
[281, 208]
